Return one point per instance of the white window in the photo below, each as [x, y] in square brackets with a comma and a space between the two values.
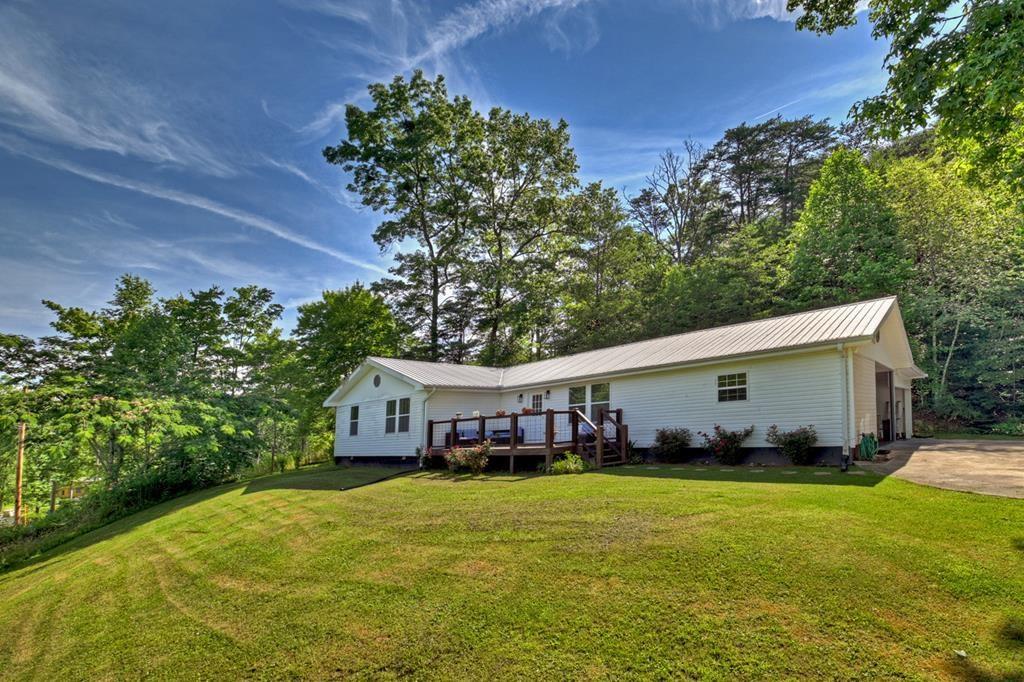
[732, 387]
[353, 420]
[600, 399]
[537, 402]
[578, 398]
[396, 416]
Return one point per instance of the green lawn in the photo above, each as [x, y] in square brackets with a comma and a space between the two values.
[629, 572]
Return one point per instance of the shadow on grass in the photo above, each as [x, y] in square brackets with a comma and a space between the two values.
[1010, 636]
[326, 477]
[747, 474]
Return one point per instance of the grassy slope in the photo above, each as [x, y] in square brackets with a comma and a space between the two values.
[628, 572]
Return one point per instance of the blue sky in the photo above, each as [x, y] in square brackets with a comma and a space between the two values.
[181, 141]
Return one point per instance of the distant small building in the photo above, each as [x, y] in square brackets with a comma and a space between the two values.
[847, 370]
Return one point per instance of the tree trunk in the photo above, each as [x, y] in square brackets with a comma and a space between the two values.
[435, 312]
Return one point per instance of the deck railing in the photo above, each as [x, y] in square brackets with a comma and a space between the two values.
[546, 432]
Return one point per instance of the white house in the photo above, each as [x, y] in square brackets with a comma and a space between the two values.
[847, 370]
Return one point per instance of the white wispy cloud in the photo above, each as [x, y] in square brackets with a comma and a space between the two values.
[720, 12]
[401, 39]
[195, 201]
[48, 95]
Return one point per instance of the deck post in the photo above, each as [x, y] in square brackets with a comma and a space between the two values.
[549, 437]
[480, 428]
[430, 437]
[574, 419]
[453, 437]
[513, 441]
[599, 454]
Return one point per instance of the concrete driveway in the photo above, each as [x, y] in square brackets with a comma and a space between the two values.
[989, 467]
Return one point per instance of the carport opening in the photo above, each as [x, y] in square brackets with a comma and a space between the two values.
[888, 428]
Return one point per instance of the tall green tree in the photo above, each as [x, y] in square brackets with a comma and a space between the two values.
[334, 334]
[681, 206]
[959, 64]
[605, 276]
[846, 243]
[519, 185]
[411, 157]
[966, 263]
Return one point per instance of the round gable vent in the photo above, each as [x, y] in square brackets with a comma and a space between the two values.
[376, 380]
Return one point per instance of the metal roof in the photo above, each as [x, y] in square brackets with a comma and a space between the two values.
[853, 321]
[442, 374]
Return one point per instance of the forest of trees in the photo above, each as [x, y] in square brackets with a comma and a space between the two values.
[507, 257]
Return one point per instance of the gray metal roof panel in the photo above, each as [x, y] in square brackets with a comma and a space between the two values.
[815, 327]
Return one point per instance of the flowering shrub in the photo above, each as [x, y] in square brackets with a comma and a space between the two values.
[569, 463]
[795, 444]
[670, 444]
[725, 445]
[473, 459]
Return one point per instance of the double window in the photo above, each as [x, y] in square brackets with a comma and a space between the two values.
[353, 420]
[396, 416]
[732, 387]
[600, 399]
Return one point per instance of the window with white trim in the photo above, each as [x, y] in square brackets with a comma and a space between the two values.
[396, 416]
[600, 399]
[537, 402]
[578, 398]
[353, 420]
[732, 387]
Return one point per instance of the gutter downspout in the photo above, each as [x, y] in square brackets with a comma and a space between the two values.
[849, 411]
[851, 393]
[423, 418]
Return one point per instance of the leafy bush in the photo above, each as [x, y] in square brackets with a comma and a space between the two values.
[795, 444]
[725, 445]
[633, 454]
[670, 444]
[569, 463]
[473, 459]
[1011, 427]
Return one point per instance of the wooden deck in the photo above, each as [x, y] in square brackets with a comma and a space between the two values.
[533, 434]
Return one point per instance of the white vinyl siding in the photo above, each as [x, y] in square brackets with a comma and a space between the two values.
[792, 390]
[864, 407]
[371, 441]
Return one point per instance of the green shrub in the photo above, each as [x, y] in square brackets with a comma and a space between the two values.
[98, 508]
[633, 454]
[1011, 427]
[670, 444]
[473, 459]
[726, 446]
[796, 444]
[569, 463]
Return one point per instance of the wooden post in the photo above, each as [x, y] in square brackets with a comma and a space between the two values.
[549, 437]
[19, 474]
[513, 441]
[574, 419]
[453, 437]
[430, 437]
[599, 454]
[480, 428]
